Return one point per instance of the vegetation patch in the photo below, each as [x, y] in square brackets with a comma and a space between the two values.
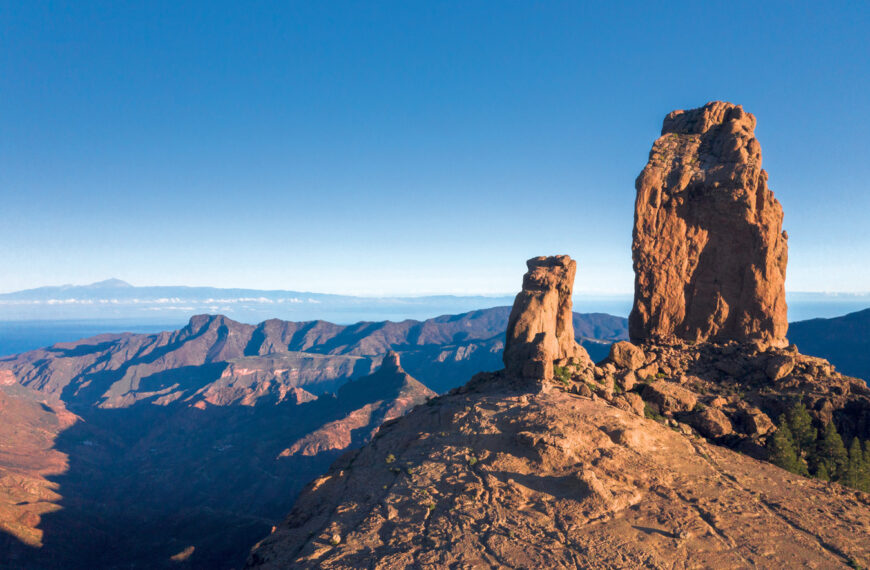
[799, 447]
[651, 414]
[562, 374]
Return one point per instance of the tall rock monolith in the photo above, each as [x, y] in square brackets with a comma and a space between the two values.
[708, 247]
[540, 328]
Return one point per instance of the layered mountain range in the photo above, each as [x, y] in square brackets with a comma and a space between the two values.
[200, 437]
[655, 456]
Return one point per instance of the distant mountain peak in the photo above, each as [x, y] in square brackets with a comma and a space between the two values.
[109, 284]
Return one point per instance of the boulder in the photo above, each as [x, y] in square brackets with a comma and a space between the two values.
[718, 402]
[711, 422]
[669, 398]
[778, 367]
[626, 355]
[708, 247]
[754, 422]
[630, 402]
[626, 380]
[540, 328]
[648, 371]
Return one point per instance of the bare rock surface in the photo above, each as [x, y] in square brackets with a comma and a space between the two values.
[28, 430]
[711, 422]
[668, 397]
[708, 247]
[626, 355]
[493, 477]
[540, 328]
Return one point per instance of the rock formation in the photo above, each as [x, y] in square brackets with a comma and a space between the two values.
[611, 467]
[709, 251]
[492, 477]
[540, 329]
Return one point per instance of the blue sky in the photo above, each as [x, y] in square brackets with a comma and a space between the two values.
[405, 147]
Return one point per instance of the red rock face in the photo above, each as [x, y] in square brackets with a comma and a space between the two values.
[540, 328]
[709, 251]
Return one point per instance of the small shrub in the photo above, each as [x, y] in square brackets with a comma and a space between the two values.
[651, 414]
[562, 374]
[390, 458]
[472, 460]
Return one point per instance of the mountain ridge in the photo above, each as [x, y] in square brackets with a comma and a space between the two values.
[211, 426]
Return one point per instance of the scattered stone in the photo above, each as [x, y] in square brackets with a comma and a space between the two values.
[755, 423]
[626, 380]
[668, 397]
[626, 355]
[709, 251]
[606, 390]
[635, 402]
[629, 402]
[649, 371]
[540, 328]
[718, 402]
[711, 422]
[779, 367]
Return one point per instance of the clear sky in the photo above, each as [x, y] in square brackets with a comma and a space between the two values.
[405, 147]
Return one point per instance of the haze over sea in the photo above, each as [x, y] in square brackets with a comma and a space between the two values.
[20, 335]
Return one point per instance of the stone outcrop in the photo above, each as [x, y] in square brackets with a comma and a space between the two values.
[708, 247]
[494, 478]
[626, 355]
[391, 363]
[540, 329]
[667, 397]
[711, 422]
